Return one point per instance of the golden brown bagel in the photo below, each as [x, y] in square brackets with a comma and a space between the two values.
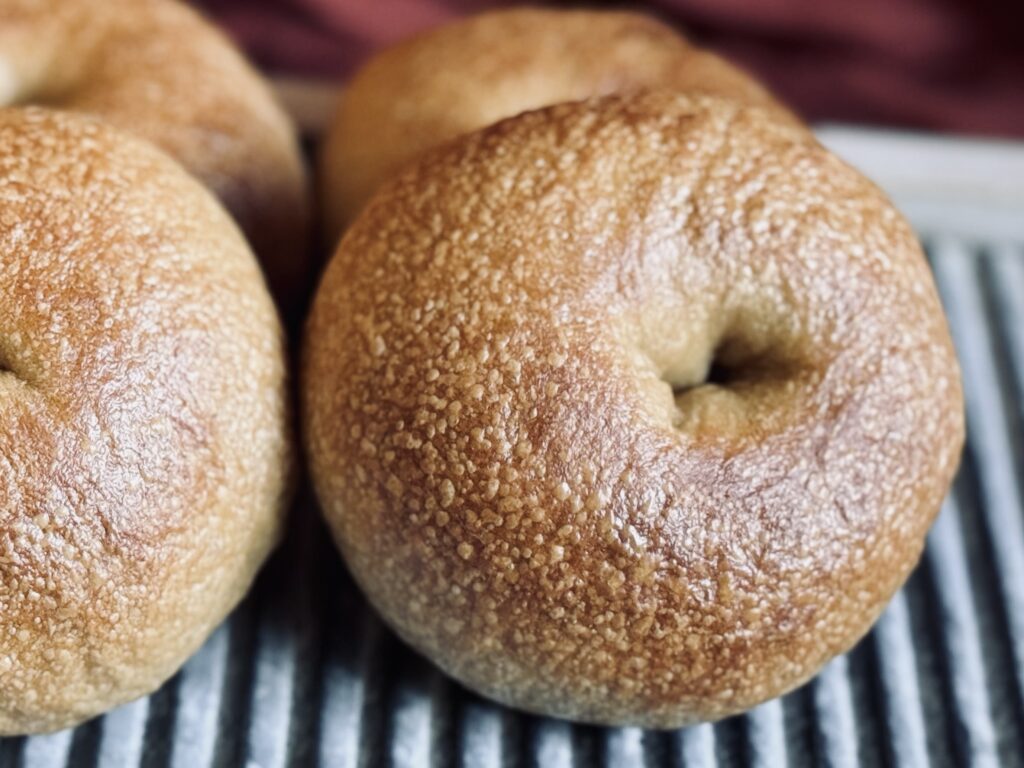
[157, 69]
[144, 444]
[469, 74]
[514, 438]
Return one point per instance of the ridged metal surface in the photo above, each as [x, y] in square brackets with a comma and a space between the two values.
[303, 674]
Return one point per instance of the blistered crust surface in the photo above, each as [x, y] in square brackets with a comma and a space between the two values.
[157, 69]
[510, 436]
[144, 448]
[473, 72]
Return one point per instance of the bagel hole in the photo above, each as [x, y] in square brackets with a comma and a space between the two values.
[735, 373]
[18, 92]
[728, 367]
[8, 367]
[719, 375]
[45, 101]
[735, 367]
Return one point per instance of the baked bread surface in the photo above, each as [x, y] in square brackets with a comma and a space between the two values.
[631, 411]
[157, 69]
[145, 452]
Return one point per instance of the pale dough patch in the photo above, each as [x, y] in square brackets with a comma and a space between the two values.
[8, 83]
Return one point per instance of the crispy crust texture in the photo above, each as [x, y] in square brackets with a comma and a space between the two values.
[471, 73]
[145, 454]
[514, 440]
[157, 69]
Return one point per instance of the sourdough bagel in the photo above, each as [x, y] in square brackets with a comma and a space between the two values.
[157, 69]
[144, 445]
[632, 410]
[471, 73]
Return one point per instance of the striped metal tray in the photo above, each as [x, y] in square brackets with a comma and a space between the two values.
[304, 674]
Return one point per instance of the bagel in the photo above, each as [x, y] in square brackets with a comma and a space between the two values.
[145, 453]
[155, 68]
[473, 72]
[634, 410]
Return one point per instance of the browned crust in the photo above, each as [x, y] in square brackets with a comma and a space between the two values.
[495, 442]
[473, 72]
[144, 446]
[157, 69]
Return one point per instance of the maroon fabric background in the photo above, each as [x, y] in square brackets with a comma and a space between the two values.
[954, 65]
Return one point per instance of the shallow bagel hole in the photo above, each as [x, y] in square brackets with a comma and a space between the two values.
[17, 92]
[739, 388]
[7, 368]
[719, 375]
[43, 100]
[726, 370]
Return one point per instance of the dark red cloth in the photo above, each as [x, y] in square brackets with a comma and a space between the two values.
[955, 65]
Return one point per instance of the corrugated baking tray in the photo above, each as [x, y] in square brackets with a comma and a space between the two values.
[304, 674]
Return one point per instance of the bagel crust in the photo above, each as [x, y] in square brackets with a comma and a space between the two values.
[157, 69]
[473, 72]
[144, 441]
[515, 440]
